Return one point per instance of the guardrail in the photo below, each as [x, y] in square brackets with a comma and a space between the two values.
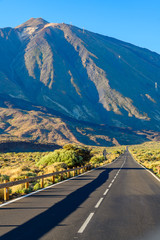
[6, 185]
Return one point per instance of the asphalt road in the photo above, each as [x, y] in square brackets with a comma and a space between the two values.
[120, 201]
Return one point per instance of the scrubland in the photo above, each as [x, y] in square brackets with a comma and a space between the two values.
[147, 154]
[15, 166]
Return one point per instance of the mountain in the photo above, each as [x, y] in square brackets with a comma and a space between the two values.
[56, 77]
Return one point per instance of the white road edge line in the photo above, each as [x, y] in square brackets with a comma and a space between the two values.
[53, 185]
[99, 202]
[29, 194]
[105, 193]
[145, 168]
[85, 223]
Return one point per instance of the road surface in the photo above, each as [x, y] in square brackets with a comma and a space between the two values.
[120, 201]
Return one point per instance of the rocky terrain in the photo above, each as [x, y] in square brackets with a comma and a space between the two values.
[60, 84]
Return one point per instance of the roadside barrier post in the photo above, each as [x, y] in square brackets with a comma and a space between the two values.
[74, 172]
[68, 173]
[6, 192]
[26, 183]
[62, 177]
[42, 183]
[53, 178]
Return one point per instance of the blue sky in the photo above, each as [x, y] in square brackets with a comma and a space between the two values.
[134, 21]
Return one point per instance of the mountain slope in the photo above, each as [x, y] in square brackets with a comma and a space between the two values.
[21, 120]
[80, 74]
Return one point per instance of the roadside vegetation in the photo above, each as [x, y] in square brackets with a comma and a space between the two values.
[16, 166]
[147, 154]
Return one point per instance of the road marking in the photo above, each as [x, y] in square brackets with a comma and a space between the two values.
[105, 193]
[145, 168]
[99, 202]
[85, 223]
[110, 185]
[53, 185]
[81, 230]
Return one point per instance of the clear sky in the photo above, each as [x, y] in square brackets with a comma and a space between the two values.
[134, 21]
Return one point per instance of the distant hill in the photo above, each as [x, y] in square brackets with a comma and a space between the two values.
[61, 84]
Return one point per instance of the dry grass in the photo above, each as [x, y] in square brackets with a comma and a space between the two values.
[148, 154]
[17, 165]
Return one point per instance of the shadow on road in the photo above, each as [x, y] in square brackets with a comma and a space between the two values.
[44, 222]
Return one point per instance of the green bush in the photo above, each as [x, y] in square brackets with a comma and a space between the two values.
[82, 151]
[96, 159]
[30, 174]
[25, 190]
[71, 155]
[36, 186]
[4, 177]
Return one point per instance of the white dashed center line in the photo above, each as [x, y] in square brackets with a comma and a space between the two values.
[86, 223]
[105, 193]
[110, 185]
[99, 202]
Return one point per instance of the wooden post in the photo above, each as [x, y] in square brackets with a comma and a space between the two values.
[68, 173]
[53, 179]
[62, 177]
[6, 192]
[42, 182]
[78, 172]
[74, 172]
[158, 169]
[26, 183]
[82, 169]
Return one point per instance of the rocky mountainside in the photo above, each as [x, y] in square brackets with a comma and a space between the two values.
[56, 77]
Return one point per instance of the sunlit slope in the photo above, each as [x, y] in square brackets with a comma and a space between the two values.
[80, 74]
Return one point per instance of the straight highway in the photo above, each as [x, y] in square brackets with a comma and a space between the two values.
[119, 201]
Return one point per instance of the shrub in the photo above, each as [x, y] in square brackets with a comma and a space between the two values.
[4, 177]
[49, 159]
[30, 174]
[96, 159]
[70, 155]
[24, 190]
[57, 166]
[84, 152]
[36, 186]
